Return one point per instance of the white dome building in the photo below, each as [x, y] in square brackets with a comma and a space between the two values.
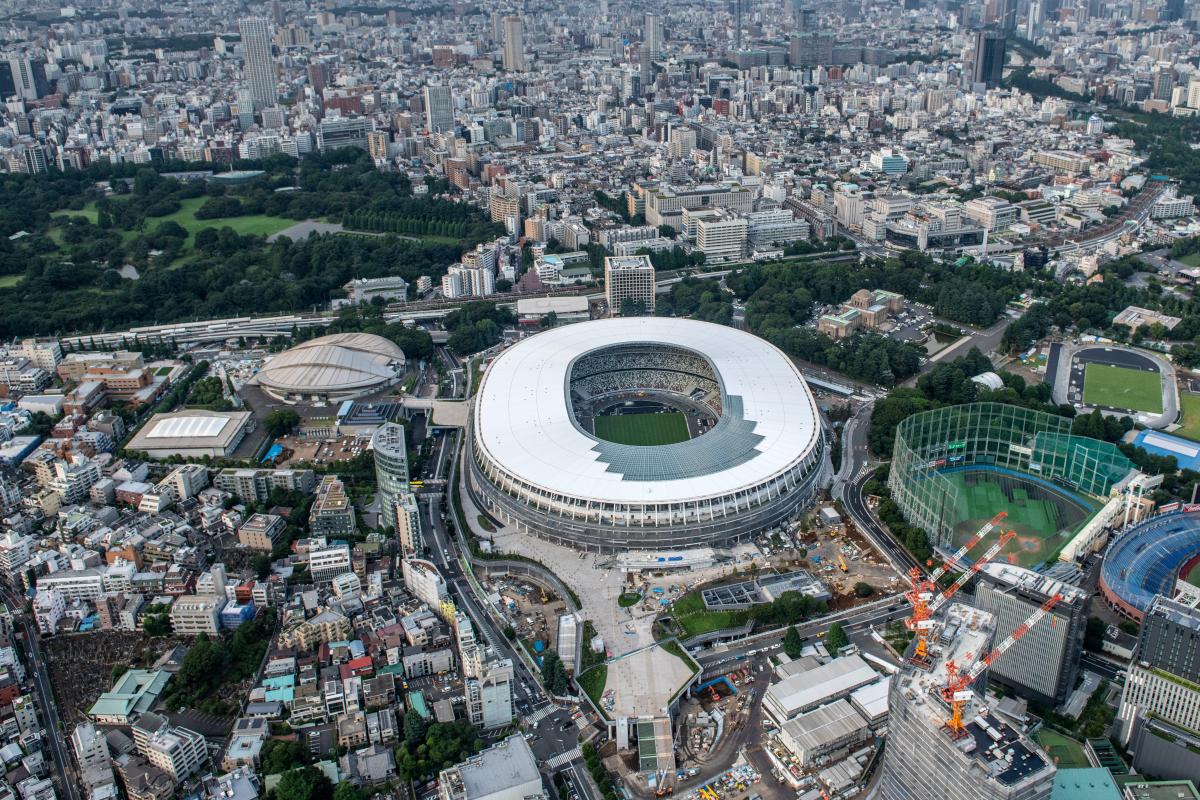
[330, 369]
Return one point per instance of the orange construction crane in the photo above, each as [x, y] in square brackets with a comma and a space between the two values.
[923, 589]
[962, 579]
[957, 690]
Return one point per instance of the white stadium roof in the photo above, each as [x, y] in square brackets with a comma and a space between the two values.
[335, 363]
[524, 422]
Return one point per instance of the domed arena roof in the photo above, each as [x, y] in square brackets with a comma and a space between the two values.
[335, 367]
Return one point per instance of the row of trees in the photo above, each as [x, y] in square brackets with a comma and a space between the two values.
[431, 222]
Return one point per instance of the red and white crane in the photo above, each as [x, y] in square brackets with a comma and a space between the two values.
[957, 690]
[924, 596]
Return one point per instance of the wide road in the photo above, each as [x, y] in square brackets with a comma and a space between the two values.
[38, 671]
[855, 503]
[554, 733]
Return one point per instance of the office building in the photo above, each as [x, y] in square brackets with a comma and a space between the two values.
[505, 771]
[988, 68]
[339, 132]
[514, 44]
[629, 278]
[1042, 666]
[408, 523]
[439, 108]
[260, 68]
[28, 77]
[1158, 719]
[424, 581]
[989, 759]
[390, 445]
[720, 234]
[262, 532]
[193, 614]
[326, 563]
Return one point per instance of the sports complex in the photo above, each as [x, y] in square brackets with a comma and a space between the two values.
[954, 468]
[1149, 559]
[1115, 380]
[644, 433]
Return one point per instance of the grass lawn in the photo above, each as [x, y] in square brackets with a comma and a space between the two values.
[7, 281]
[1189, 420]
[643, 429]
[1067, 752]
[628, 599]
[257, 224]
[592, 682]
[694, 618]
[1118, 387]
[1191, 259]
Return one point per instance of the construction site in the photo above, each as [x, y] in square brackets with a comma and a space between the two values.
[946, 736]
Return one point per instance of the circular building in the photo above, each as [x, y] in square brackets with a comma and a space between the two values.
[644, 433]
[1148, 559]
[954, 468]
[330, 369]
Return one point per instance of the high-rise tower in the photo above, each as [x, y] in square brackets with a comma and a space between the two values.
[514, 44]
[260, 69]
[439, 108]
[989, 58]
[390, 446]
[987, 758]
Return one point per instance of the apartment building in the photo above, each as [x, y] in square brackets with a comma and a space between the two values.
[193, 614]
[262, 532]
[332, 512]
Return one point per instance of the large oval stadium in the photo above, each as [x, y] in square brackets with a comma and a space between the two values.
[644, 433]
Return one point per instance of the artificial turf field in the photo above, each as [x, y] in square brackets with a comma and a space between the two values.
[1043, 527]
[643, 429]
[1067, 753]
[1119, 387]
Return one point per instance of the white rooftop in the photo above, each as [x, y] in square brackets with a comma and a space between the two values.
[524, 422]
[188, 428]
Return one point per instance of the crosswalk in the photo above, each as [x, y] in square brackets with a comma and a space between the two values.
[560, 759]
[541, 713]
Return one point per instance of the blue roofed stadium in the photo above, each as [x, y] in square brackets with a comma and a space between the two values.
[1147, 559]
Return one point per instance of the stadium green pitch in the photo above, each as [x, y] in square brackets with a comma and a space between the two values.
[1119, 387]
[643, 429]
[1043, 522]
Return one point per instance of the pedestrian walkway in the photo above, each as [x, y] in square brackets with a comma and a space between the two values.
[562, 759]
[541, 713]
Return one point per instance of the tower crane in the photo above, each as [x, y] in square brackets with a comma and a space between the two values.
[924, 589]
[957, 690]
[962, 579]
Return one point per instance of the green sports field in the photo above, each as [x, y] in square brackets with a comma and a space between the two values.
[1043, 525]
[1118, 387]
[643, 429]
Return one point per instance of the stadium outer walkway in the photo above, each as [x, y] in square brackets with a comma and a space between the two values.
[1062, 382]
